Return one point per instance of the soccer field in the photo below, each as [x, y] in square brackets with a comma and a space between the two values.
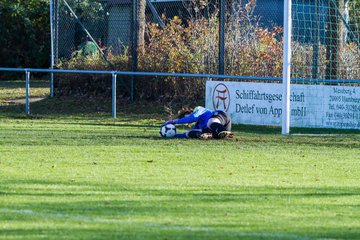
[92, 177]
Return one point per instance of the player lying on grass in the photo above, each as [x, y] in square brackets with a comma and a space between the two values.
[208, 123]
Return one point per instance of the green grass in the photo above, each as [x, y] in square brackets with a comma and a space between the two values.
[68, 175]
[13, 90]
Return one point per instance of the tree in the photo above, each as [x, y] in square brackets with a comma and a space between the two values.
[24, 33]
[141, 26]
[334, 37]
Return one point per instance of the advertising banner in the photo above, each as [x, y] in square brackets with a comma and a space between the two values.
[315, 106]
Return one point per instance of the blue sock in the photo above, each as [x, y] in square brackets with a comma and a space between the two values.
[180, 135]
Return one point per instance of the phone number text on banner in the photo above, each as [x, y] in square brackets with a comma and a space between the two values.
[316, 106]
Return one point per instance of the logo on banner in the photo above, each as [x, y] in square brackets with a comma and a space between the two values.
[221, 97]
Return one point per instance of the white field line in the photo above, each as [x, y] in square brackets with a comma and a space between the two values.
[88, 219]
[317, 135]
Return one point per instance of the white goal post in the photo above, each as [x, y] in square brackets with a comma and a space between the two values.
[286, 67]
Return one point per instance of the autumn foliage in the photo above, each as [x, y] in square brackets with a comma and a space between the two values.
[192, 46]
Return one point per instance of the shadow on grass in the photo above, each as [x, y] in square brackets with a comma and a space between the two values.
[294, 131]
[99, 112]
[116, 124]
[113, 134]
[17, 84]
[39, 187]
[200, 212]
[83, 105]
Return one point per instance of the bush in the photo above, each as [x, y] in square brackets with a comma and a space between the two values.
[185, 46]
[191, 46]
[90, 85]
[23, 39]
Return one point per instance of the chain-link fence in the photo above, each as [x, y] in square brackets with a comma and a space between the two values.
[230, 37]
[77, 23]
[326, 39]
[172, 36]
[242, 37]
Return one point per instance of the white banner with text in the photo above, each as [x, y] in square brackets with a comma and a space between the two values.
[316, 106]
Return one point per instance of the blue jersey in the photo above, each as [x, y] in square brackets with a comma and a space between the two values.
[200, 115]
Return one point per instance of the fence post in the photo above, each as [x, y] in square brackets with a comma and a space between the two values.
[51, 47]
[222, 38]
[52, 84]
[27, 92]
[134, 42]
[286, 67]
[56, 31]
[113, 95]
[315, 42]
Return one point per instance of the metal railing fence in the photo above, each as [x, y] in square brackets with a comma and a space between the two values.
[114, 75]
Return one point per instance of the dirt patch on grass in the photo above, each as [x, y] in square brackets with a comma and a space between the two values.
[23, 100]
